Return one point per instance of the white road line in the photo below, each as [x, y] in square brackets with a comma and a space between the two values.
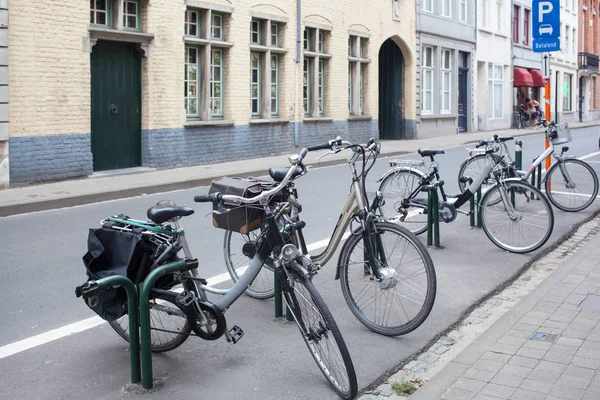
[589, 155]
[80, 326]
[574, 194]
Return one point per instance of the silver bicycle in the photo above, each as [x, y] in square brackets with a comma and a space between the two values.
[387, 276]
[570, 184]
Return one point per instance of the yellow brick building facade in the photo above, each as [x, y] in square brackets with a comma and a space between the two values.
[112, 84]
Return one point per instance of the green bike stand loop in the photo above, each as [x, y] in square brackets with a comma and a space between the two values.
[134, 333]
[475, 211]
[518, 154]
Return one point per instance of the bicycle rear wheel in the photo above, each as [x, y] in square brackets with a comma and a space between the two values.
[403, 299]
[169, 327]
[525, 230]
[321, 334]
[471, 168]
[411, 213]
[263, 286]
[576, 193]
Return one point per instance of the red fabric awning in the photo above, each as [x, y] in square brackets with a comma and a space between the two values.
[522, 78]
[538, 79]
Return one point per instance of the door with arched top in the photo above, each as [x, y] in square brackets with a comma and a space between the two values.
[391, 66]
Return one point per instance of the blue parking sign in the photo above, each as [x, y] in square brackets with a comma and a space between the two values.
[546, 19]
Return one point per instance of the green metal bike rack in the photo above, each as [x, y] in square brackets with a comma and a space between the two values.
[475, 213]
[536, 179]
[518, 154]
[433, 215]
[145, 291]
[132, 304]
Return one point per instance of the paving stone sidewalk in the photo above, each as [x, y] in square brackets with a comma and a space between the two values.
[537, 339]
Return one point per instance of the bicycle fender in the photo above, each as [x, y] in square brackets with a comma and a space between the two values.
[396, 169]
[356, 231]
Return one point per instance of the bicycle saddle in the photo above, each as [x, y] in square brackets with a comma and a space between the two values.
[279, 173]
[430, 152]
[166, 210]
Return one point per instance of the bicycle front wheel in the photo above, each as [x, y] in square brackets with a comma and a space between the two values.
[400, 207]
[321, 334]
[263, 286]
[169, 327]
[404, 297]
[516, 216]
[573, 189]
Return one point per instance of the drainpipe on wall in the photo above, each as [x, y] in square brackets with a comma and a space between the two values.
[298, 44]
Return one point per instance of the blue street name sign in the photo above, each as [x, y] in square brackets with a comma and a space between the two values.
[546, 20]
[546, 45]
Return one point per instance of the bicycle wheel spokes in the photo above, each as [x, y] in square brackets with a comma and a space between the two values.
[168, 326]
[573, 190]
[396, 190]
[402, 299]
[322, 336]
[523, 225]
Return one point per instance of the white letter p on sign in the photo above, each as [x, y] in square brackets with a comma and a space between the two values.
[545, 8]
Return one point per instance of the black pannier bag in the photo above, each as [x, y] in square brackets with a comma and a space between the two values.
[242, 219]
[115, 252]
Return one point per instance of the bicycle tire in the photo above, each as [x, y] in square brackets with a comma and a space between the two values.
[552, 182]
[263, 286]
[492, 205]
[363, 307]
[121, 326]
[475, 164]
[395, 188]
[304, 293]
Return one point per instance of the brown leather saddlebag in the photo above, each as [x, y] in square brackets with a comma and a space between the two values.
[242, 219]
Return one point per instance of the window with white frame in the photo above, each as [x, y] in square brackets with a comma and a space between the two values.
[192, 81]
[131, 14]
[499, 13]
[357, 66]
[275, 85]
[567, 95]
[264, 68]
[427, 78]
[446, 8]
[315, 71]
[573, 43]
[255, 31]
[100, 12]
[462, 10]
[485, 13]
[446, 70]
[255, 84]
[192, 23]
[428, 5]
[495, 91]
[306, 86]
[216, 83]
[566, 41]
[526, 26]
[216, 26]
[205, 92]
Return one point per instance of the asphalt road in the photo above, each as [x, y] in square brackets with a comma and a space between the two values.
[41, 265]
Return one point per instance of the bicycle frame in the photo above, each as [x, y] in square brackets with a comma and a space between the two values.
[354, 203]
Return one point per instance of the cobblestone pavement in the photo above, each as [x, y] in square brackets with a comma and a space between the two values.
[539, 338]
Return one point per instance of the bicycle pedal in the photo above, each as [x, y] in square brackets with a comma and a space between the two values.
[236, 334]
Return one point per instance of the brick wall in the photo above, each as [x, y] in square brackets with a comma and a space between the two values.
[49, 82]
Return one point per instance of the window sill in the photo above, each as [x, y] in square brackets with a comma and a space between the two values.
[215, 122]
[119, 35]
[278, 50]
[568, 112]
[438, 116]
[258, 47]
[359, 59]
[317, 119]
[360, 118]
[263, 121]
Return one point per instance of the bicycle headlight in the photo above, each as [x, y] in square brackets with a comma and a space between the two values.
[289, 252]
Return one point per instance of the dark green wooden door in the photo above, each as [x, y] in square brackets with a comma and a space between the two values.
[116, 106]
[391, 63]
